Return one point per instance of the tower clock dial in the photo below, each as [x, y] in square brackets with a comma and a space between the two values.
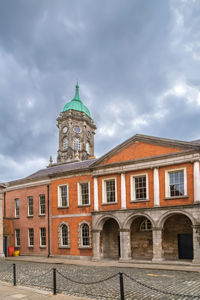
[65, 129]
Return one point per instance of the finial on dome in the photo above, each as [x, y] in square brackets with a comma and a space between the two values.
[77, 97]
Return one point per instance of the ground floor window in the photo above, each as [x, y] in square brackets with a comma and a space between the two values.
[63, 235]
[43, 237]
[17, 237]
[84, 235]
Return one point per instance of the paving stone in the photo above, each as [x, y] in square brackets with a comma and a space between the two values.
[103, 282]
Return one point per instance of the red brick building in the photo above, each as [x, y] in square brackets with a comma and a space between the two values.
[141, 200]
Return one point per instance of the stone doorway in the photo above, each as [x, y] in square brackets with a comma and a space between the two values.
[110, 239]
[141, 238]
[177, 234]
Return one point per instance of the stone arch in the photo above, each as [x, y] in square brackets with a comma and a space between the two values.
[166, 215]
[177, 235]
[100, 223]
[131, 218]
[141, 240]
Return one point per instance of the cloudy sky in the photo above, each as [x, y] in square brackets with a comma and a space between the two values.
[137, 63]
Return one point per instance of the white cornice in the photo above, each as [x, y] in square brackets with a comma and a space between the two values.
[150, 164]
[28, 184]
[71, 216]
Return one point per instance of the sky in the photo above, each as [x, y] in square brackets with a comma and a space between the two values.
[137, 63]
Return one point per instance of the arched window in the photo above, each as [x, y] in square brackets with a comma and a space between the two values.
[84, 235]
[77, 145]
[145, 225]
[63, 235]
[65, 143]
[88, 148]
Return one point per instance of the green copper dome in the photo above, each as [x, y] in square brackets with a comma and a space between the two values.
[77, 104]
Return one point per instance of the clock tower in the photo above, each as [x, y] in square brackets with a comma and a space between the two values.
[76, 131]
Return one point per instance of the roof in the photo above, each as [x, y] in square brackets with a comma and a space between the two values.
[51, 171]
[77, 104]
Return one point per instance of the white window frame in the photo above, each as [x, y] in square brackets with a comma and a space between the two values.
[80, 194]
[104, 195]
[17, 214]
[132, 184]
[167, 181]
[60, 240]
[80, 239]
[59, 196]
[29, 238]
[43, 246]
[77, 141]
[42, 214]
[30, 215]
[16, 244]
[88, 148]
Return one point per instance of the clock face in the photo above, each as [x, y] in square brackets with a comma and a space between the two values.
[64, 130]
[77, 129]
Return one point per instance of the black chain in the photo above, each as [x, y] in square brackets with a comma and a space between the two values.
[80, 282]
[160, 291]
[36, 276]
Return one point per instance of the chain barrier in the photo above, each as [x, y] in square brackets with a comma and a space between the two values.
[87, 283]
[161, 291]
[37, 276]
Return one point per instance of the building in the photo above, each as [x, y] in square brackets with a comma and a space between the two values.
[141, 200]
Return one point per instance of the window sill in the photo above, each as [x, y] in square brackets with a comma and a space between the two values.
[84, 247]
[84, 205]
[43, 215]
[60, 207]
[64, 247]
[31, 247]
[176, 197]
[139, 200]
[43, 247]
[30, 216]
[109, 203]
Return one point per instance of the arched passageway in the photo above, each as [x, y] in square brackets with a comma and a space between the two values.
[177, 238]
[110, 240]
[141, 238]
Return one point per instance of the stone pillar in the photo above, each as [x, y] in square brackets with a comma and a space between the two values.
[157, 244]
[96, 245]
[196, 244]
[156, 187]
[1, 222]
[96, 200]
[196, 182]
[125, 245]
[123, 191]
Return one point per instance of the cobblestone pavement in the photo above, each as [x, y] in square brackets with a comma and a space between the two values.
[103, 282]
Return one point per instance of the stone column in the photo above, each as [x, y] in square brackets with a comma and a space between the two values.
[156, 187]
[196, 182]
[125, 245]
[123, 191]
[96, 245]
[196, 244]
[1, 222]
[96, 200]
[157, 244]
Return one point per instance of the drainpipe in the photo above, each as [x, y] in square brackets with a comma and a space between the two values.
[4, 204]
[48, 220]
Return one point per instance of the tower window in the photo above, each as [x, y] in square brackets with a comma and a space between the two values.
[65, 143]
[88, 148]
[77, 145]
[77, 129]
